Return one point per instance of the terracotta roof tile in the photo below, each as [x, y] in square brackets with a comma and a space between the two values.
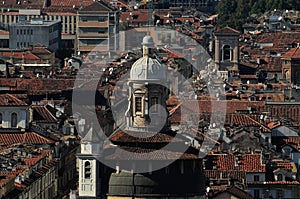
[293, 53]
[227, 30]
[232, 174]
[147, 154]
[23, 138]
[42, 114]
[10, 100]
[97, 6]
[244, 162]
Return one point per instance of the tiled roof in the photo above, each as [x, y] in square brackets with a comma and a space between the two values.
[19, 55]
[10, 100]
[23, 138]
[293, 53]
[70, 3]
[140, 15]
[122, 136]
[121, 153]
[277, 183]
[38, 85]
[237, 192]
[279, 39]
[244, 120]
[244, 162]
[227, 30]
[232, 174]
[33, 160]
[98, 6]
[231, 106]
[42, 114]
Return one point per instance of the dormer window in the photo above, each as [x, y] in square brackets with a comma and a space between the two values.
[14, 120]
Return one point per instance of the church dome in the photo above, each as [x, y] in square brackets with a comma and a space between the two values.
[148, 41]
[148, 68]
[156, 184]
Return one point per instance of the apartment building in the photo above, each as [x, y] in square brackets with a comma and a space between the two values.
[97, 28]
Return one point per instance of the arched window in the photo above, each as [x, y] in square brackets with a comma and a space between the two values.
[138, 104]
[154, 104]
[279, 177]
[87, 170]
[14, 120]
[226, 53]
[287, 75]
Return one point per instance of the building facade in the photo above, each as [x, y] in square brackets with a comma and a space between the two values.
[28, 33]
[97, 28]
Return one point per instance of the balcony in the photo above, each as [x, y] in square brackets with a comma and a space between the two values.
[90, 48]
[92, 24]
[92, 35]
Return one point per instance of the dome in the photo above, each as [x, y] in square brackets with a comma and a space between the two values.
[156, 184]
[147, 68]
[148, 41]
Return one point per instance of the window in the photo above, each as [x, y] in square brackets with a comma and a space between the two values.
[31, 32]
[0, 118]
[17, 31]
[256, 178]
[226, 53]
[279, 177]
[154, 102]
[14, 120]
[87, 170]
[256, 193]
[267, 139]
[138, 104]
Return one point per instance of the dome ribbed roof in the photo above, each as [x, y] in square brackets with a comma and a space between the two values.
[147, 68]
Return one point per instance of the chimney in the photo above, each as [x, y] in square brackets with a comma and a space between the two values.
[7, 70]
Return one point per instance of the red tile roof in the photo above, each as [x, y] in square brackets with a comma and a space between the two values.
[33, 160]
[97, 6]
[23, 138]
[70, 3]
[227, 30]
[293, 53]
[244, 120]
[122, 136]
[233, 174]
[121, 153]
[244, 162]
[237, 192]
[42, 114]
[10, 100]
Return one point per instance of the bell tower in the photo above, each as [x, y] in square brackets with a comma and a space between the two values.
[147, 94]
[227, 49]
[89, 166]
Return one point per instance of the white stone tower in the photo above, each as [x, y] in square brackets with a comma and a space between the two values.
[147, 90]
[89, 176]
